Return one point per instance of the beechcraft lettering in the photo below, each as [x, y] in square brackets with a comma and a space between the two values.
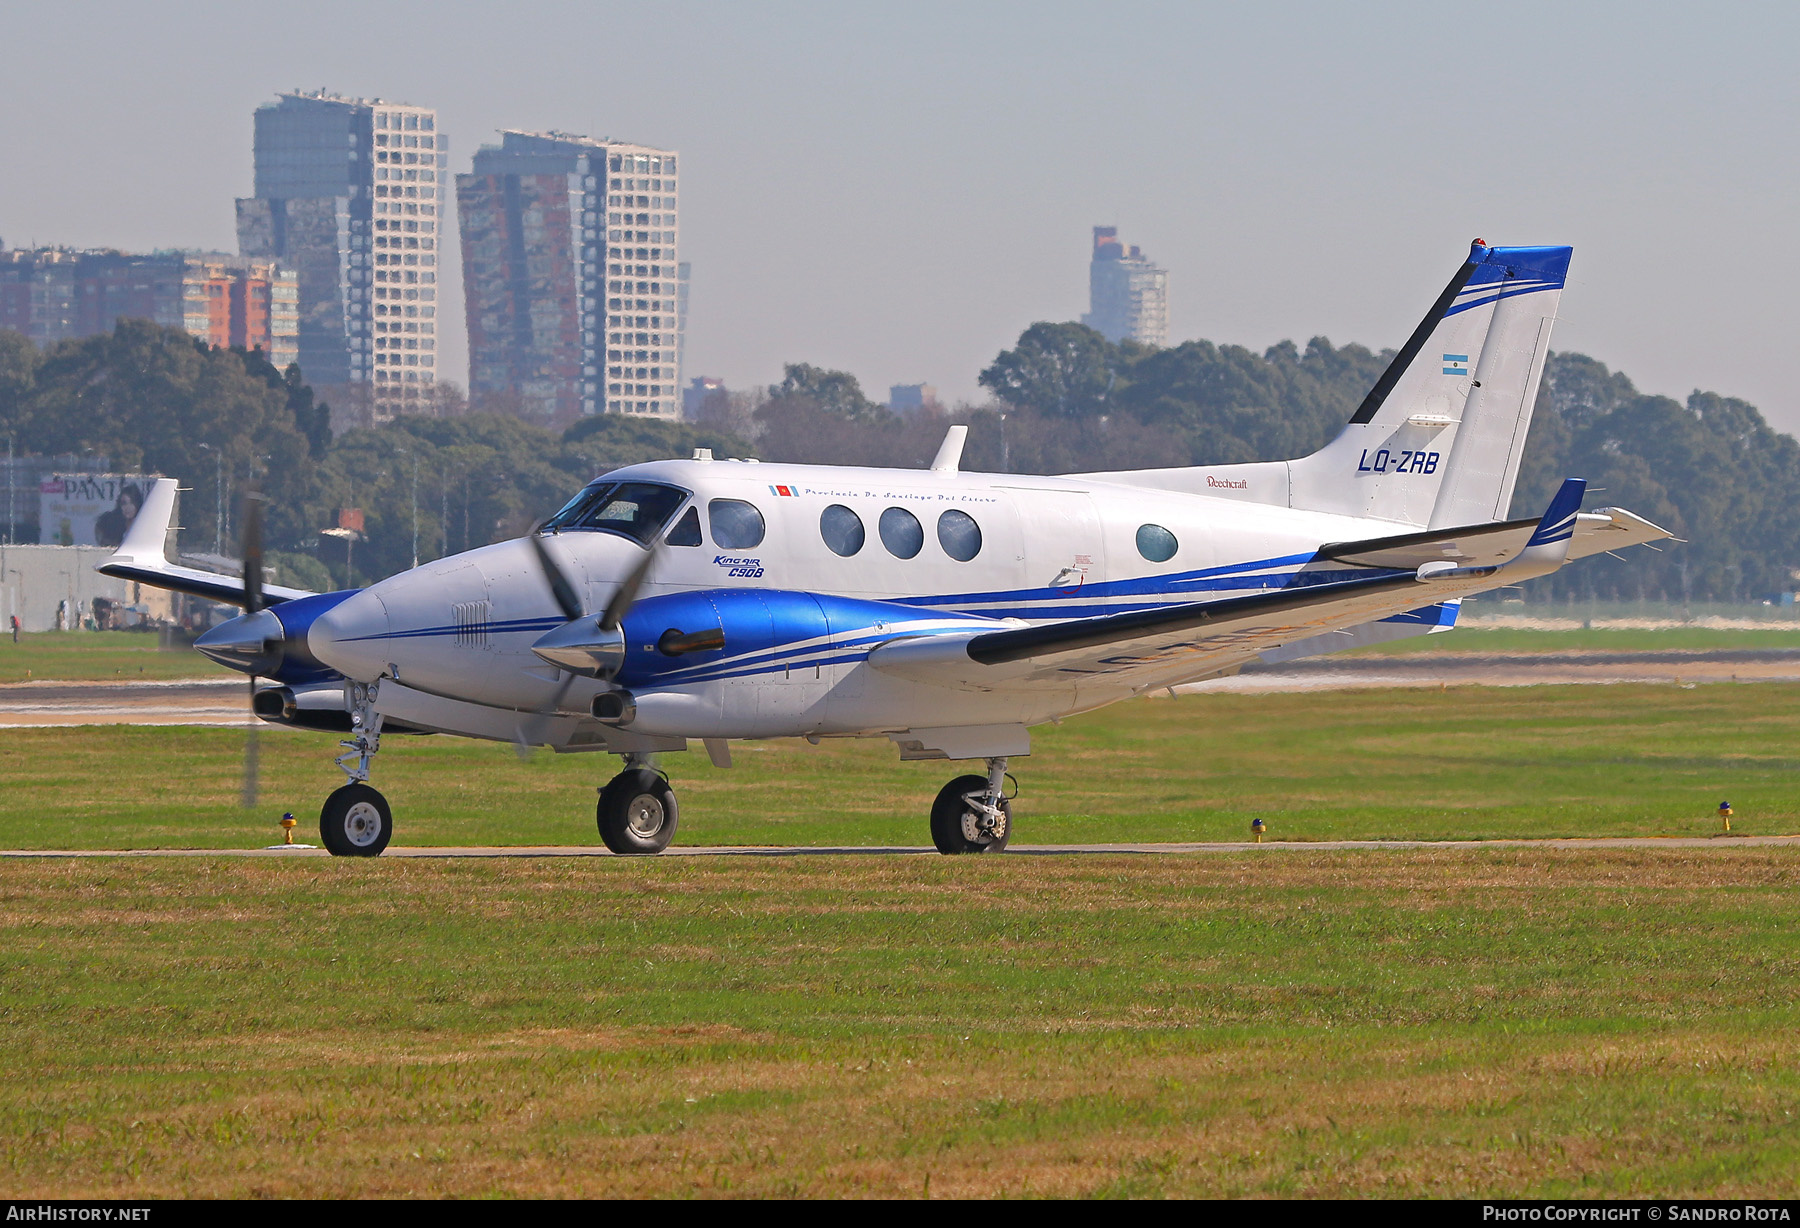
[936, 608]
[1400, 461]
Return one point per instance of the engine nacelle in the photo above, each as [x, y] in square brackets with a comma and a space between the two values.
[322, 707]
[271, 643]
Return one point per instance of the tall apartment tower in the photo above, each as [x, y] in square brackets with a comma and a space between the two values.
[349, 193]
[1128, 297]
[570, 276]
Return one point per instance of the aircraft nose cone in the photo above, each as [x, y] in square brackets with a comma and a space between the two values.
[353, 637]
[250, 642]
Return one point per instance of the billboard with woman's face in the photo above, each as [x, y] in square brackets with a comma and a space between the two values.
[88, 509]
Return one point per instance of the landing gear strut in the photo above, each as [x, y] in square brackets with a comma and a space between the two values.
[355, 820]
[637, 813]
[972, 814]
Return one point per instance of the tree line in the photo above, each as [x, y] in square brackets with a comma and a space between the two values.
[1063, 399]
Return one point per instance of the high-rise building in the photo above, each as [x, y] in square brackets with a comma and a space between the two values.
[682, 271]
[1128, 297]
[51, 294]
[570, 276]
[349, 192]
[698, 391]
[911, 398]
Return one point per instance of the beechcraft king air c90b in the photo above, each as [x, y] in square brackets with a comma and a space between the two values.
[947, 611]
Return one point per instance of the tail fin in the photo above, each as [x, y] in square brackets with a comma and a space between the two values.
[1438, 439]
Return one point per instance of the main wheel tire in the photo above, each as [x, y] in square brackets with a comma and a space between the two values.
[637, 813]
[356, 822]
[955, 828]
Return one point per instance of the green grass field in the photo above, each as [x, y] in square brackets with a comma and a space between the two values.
[98, 656]
[1523, 1022]
[1528, 1023]
[1468, 763]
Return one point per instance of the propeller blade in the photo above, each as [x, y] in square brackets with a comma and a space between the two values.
[251, 543]
[560, 588]
[250, 538]
[626, 594]
[252, 753]
[529, 732]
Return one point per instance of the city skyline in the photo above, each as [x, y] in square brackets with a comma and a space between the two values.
[828, 157]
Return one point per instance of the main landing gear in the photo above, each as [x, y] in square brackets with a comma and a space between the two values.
[356, 821]
[637, 813]
[972, 814]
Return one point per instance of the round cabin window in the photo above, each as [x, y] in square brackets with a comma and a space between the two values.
[842, 530]
[1156, 543]
[736, 525]
[959, 535]
[901, 533]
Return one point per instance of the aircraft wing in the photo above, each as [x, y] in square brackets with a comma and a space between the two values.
[1142, 649]
[1149, 648]
[142, 558]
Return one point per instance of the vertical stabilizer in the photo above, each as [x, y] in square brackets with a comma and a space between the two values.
[1523, 290]
[1437, 441]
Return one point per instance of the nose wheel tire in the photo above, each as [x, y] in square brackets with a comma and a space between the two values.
[637, 813]
[356, 822]
[957, 827]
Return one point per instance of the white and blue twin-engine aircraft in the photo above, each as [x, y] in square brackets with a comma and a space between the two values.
[947, 611]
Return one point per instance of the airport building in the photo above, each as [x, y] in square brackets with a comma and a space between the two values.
[573, 292]
[349, 192]
[1128, 297]
[53, 588]
[55, 294]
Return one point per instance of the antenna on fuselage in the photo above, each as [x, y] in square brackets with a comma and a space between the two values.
[949, 453]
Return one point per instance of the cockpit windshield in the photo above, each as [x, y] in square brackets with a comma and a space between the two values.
[637, 510]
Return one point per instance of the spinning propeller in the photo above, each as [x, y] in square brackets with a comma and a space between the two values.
[599, 632]
[623, 598]
[250, 540]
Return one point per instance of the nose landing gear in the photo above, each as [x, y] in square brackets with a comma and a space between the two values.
[637, 813]
[972, 814]
[355, 821]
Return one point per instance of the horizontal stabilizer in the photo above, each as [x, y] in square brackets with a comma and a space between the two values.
[1485, 545]
[142, 558]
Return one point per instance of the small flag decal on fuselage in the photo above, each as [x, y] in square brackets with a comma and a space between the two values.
[1456, 364]
[784, 492]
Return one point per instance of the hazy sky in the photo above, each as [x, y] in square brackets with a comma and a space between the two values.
[898, 189]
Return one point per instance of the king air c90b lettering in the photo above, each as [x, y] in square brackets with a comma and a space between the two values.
[945, 611]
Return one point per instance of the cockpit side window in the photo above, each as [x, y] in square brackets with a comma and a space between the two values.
[637, 510]
[686, 531]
